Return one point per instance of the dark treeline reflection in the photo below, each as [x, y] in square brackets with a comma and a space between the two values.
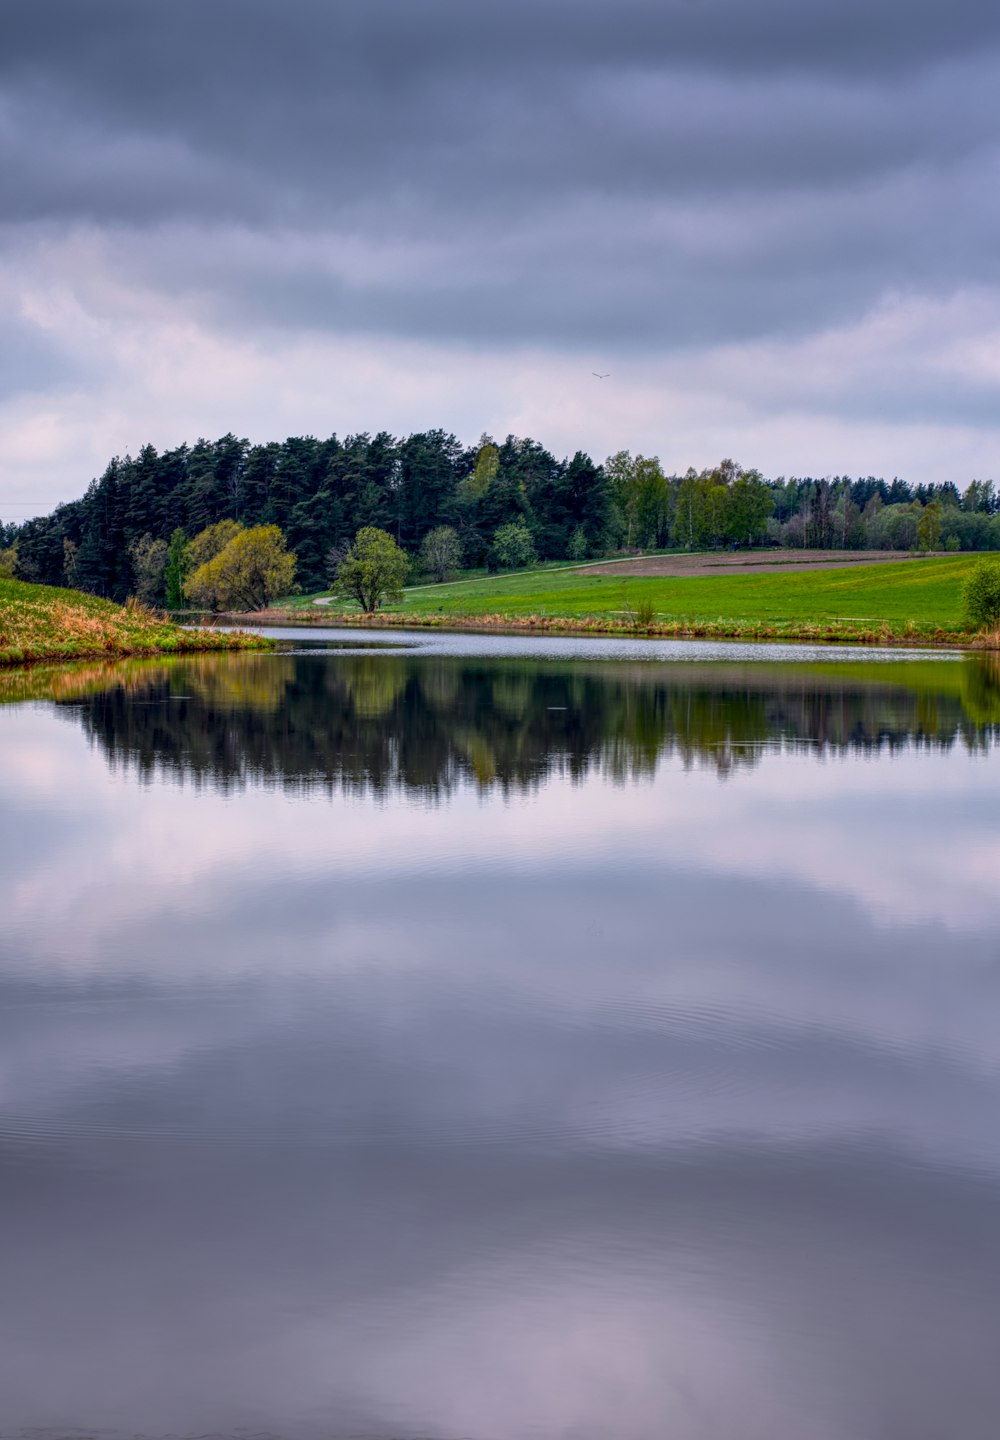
[378, 723]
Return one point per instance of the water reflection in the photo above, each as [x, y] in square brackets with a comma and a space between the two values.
[426, 724]
[593, 1098]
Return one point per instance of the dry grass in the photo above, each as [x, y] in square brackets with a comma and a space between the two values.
[837, 631]
[41, 623]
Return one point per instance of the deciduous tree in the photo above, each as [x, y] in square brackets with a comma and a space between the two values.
[441, 552]
[929, 527]
[750, 504]
[577, 547]
[513, 547]
[212, 541]
[149, 562]
[374, 569]
[176, 569]
[252, 570]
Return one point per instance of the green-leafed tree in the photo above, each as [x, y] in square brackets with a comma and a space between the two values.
[254, 568]
[750, 505]
[475, 485]
[211, 542]
[200, 582]
[374, 569]
[513, 548]
[639, 489]
[577, 547]
[176, 569]
[929, 527]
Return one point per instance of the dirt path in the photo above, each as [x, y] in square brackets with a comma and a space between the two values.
[754, 562]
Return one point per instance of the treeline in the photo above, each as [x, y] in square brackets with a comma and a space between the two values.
[384, 723]
[319, 493]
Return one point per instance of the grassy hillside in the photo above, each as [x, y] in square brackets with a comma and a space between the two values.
[928, 592]
[40, 623]
[919, 599]
[915, 598]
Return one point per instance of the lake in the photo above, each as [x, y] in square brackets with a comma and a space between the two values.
[460, 1036]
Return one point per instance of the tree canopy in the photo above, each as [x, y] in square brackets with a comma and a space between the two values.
[320, 493]
[374, 569]
[251, 569]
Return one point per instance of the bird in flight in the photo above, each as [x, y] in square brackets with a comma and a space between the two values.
[599, 376]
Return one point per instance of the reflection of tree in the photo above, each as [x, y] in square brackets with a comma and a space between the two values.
[373, 683]
[981, 689]
[76, 681]
[511, 693]
[439, 682]
[381, 722]
[257, 683]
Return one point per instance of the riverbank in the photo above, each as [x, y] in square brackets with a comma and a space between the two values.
[915, 601]
[844, 633]
[38, 622]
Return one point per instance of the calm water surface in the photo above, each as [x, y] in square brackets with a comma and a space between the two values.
[462, 1037]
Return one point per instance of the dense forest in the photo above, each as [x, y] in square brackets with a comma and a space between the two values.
[320, 492]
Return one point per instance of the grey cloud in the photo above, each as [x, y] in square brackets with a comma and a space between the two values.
[318, 129]
[644, 176]
[29, 361]
[182, 44]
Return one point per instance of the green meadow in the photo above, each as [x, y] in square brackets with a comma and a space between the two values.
[915, 597]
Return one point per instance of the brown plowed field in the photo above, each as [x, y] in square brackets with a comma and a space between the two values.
[752, 562]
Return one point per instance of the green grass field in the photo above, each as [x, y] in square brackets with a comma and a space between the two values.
[41, 623]
[915, 595]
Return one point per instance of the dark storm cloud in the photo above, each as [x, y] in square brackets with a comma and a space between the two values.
[666, 174]
[121, 102]
[131, 48]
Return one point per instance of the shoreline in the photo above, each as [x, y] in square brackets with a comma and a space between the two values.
[236, 642]
[40, 624]
[860, 633]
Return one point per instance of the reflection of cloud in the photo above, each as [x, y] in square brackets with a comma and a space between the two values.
[726, 935]
[860, 828]
[606, 1109]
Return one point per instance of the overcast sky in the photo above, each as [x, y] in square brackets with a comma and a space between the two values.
[776, 225]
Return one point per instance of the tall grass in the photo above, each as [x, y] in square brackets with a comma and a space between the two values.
[41, 623]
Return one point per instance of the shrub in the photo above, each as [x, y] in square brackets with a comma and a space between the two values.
[645, 615]
[982, 595]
